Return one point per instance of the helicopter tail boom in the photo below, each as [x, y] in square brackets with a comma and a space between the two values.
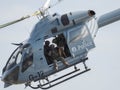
[109, 18]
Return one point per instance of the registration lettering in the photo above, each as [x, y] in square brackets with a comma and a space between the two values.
[81, 46]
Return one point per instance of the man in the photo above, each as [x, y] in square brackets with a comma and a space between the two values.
[55, 55]
[60, 42]
[46, 52]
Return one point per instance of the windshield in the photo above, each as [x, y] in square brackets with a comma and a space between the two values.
[14, 59]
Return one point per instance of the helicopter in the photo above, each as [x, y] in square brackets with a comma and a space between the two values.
[74, 26]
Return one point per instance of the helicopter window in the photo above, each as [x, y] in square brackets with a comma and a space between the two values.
[12, 60]
[54, 14]
[54, 30]
[18, 58]
[64, 19]
[56, 22]
[28, 61]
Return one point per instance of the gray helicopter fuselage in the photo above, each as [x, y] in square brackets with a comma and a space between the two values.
[75, 29]
[29, 63]
[79, 40]
[72, 25]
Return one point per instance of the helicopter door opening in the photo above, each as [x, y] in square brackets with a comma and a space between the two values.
[60, 45]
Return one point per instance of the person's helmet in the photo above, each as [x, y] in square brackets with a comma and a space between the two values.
[47, 42]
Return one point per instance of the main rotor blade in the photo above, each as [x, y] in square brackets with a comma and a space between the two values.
[41, 12]
[46, 5]
[17, 44]
[13, 22]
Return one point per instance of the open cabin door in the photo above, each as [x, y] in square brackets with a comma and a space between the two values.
[79, 40]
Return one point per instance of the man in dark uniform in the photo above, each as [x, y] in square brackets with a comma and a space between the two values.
[60, 42]
[46, 52]
[55, 55]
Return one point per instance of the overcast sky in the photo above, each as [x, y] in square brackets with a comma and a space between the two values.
[104, 60]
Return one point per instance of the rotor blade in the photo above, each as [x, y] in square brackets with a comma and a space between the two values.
[40, 12]
[17, 44]
[21, 19]
[13, 22]
[46, 5]
[50, 6]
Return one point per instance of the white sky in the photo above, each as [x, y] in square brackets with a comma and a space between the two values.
[104, 60]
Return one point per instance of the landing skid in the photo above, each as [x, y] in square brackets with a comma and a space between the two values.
[52, 83]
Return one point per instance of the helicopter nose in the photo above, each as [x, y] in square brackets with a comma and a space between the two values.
[3, 78]
[11, 76]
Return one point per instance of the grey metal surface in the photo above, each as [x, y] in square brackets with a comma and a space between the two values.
[108, 18]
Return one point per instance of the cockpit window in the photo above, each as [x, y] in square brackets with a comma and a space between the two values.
[27, 62]
[64, 19]
[27, 57]
[14, 59]
[17, 56]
